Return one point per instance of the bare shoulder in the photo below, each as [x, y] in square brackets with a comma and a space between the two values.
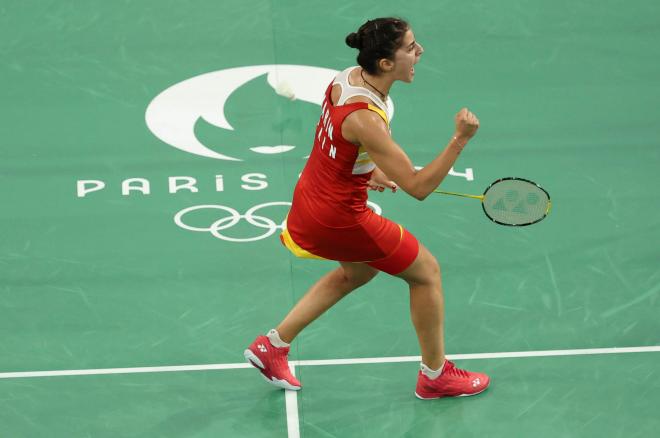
[366, 119]
[361, 124]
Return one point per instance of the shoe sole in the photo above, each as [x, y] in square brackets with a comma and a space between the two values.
[253, 360]
[445, 396]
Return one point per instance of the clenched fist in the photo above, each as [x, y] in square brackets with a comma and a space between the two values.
[466, 125]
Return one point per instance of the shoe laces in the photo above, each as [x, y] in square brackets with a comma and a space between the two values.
[450, 368]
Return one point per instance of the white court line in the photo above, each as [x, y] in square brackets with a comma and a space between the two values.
[503, 355]
[91, 372]
[291, 402]
[371, 360]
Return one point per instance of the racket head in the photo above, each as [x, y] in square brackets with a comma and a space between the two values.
[516, 202]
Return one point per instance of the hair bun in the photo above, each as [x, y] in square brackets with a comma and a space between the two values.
[353, 40]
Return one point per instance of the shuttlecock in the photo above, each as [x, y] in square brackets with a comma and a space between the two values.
[284, 89]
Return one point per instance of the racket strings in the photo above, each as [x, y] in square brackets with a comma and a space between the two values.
[516, 202]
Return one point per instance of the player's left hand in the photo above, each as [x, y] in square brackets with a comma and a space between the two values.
[379, 182]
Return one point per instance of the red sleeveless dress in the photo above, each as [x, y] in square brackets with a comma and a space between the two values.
[329, 216]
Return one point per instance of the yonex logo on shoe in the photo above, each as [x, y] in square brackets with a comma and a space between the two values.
[476, 382]
[262, 348]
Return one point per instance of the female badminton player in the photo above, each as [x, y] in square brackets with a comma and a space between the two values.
[329, 219]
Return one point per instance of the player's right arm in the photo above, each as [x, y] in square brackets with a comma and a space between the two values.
[367, 129]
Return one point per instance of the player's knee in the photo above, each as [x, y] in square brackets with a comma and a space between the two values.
[431, 271]
[434, 267]
[426, 270]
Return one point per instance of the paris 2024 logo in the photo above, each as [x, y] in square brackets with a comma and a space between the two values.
[227, 115]
[192, 116]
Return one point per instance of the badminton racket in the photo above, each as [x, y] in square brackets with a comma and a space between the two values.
[515, 202]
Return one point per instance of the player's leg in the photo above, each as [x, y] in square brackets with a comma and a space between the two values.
[325, 293]
[438, 377]
[269, 353]
[427, 306]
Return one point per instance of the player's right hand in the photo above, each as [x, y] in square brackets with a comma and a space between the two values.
[466, 124]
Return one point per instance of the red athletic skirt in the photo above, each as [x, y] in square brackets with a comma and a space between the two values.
[373, 239]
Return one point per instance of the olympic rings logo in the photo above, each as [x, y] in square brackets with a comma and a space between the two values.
[233, 217]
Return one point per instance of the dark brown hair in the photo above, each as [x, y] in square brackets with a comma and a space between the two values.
[377, 39]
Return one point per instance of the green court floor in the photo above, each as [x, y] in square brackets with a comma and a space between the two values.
[146, 164]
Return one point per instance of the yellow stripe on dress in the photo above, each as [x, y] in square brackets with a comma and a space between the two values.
[295, 248]
[381, 113]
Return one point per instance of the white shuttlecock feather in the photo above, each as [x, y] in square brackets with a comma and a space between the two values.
[284, 89]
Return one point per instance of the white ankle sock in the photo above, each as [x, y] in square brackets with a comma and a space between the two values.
[275, 339]
[432, 374]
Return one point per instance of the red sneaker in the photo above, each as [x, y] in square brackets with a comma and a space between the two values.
[272, 362]
[453, 382]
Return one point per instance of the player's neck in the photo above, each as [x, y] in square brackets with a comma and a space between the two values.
[380, 84]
